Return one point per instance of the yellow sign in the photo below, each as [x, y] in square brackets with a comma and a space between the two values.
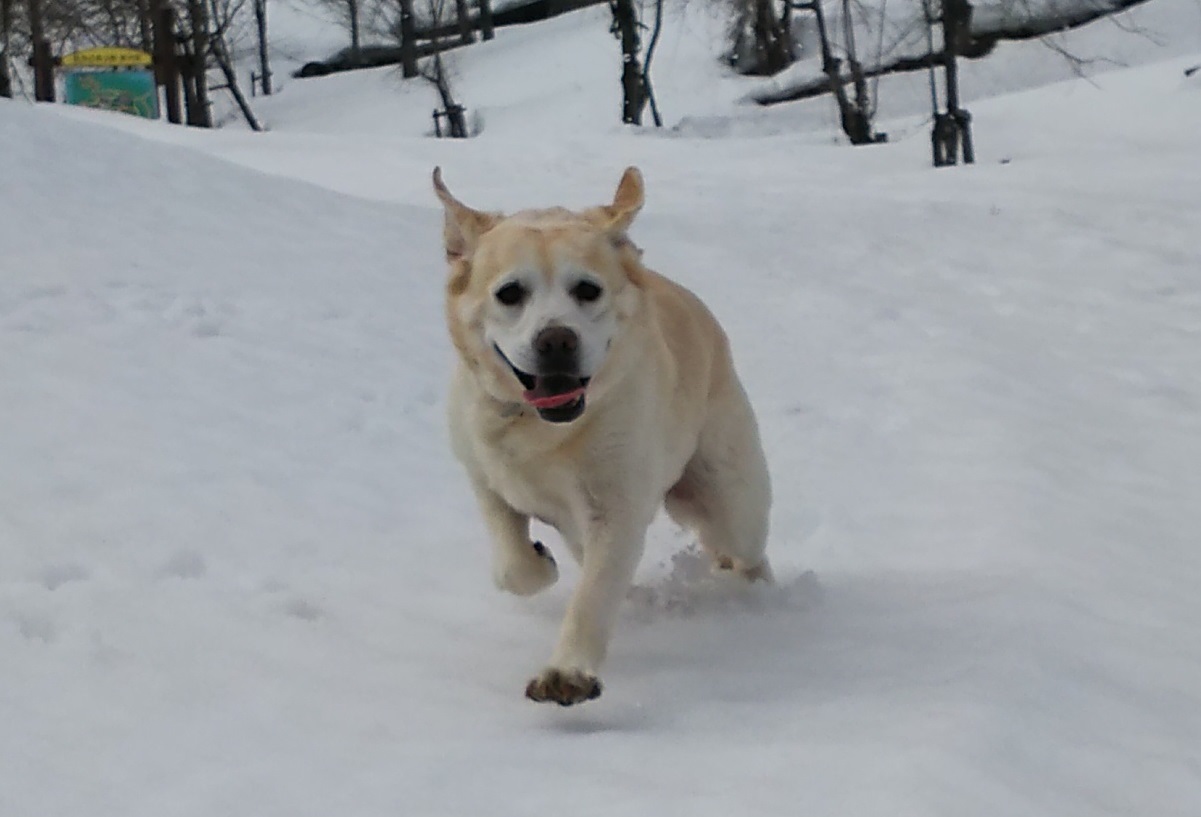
[107, 58]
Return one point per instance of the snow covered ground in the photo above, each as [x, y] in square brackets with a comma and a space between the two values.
[561, 75]
[240, 573]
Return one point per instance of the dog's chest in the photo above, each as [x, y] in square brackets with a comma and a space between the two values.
[536, 485]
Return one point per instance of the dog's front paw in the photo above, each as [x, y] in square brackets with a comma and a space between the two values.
[759, 573]
[563, 687]
[527, 573]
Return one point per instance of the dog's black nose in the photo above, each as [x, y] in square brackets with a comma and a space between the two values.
[557, 348]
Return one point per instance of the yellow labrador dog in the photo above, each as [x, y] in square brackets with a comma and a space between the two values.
[590, 391]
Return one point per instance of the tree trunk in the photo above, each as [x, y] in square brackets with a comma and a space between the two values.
[225, 64]
[6, 27]
[260, 17]
[646, 65]
[977, 43]
[436, 73]
[625, 21]
[43, 59]
[191, 105]
[166, 64]
[146, 25]
[199, 113]
[466, 37]
[352, 11]
[408, 40]
[855, 123]
[956, 29]
[34, 9]
[486, 27]
[772, 47]
[858, 81]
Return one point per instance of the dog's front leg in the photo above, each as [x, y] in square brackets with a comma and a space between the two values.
[519, 566]
[611, 554]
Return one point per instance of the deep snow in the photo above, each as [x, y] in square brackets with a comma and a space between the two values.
[240, 573]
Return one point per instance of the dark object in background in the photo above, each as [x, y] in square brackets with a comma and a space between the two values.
[374, 56]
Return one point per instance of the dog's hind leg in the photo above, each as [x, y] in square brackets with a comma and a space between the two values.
[519, 565]
[724, 494]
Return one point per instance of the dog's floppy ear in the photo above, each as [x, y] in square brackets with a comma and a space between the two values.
[464, 226]
[627, 201]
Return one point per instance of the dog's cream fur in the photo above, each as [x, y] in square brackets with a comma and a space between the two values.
[666, 421]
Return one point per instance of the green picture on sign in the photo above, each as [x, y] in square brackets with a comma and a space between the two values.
[126, 91]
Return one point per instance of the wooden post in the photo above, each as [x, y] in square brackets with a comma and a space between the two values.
[408, 40]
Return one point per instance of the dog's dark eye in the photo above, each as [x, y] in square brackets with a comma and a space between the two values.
[585, 292]
[511, 294]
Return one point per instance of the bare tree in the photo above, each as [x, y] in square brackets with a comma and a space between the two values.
[646, 64]
[352, 14]
[166, 66]
[163, 27]
[487, 29]
[225, 16]
[633, 92]
[636, 89]
[6, 27]
[350, 18]
[43, 67]
[864, 106]
[195, 85]
[1012, 20]
[434, 71]
[260, 19]
[463, 17]
[760, 40]
[407, 31]
[365, 19]
[854, 116]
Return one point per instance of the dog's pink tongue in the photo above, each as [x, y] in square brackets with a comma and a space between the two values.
[553, 400]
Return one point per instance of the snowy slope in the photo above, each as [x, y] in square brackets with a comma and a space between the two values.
[240, 574]
[561, 75]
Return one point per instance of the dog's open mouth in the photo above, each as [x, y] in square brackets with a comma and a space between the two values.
[558, 398]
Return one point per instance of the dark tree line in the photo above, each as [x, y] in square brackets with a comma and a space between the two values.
[187, 38]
